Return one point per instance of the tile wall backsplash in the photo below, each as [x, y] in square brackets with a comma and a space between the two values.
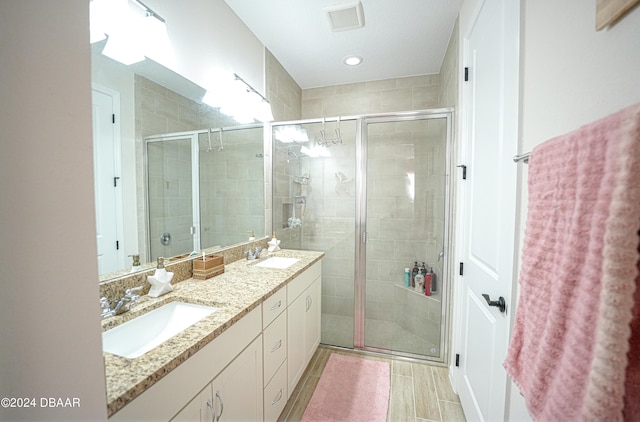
[183, 269]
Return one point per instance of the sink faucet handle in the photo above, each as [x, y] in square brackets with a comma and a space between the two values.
[129, 292]
[105, 306]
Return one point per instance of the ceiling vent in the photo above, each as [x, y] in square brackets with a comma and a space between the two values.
[346, 16]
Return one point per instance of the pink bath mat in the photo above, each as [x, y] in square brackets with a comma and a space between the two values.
[350, 389]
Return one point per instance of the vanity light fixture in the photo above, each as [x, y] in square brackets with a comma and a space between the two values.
[352, 60]
[132, 35]
[148, 11]
[239, 100]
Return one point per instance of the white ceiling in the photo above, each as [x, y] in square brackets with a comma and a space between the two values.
[400, 38]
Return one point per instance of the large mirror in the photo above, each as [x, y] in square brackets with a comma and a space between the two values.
[173, 175]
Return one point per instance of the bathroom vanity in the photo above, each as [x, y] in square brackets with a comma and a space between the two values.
[241, 362]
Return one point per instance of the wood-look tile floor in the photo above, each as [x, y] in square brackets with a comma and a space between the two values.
[419, 392]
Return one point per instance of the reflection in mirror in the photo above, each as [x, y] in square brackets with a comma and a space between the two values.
[193, 195]
[221, 193]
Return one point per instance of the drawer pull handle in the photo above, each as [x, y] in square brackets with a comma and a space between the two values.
[277, 399]
[212, 409]
[219, 397]
[277, 305]
[277, 346]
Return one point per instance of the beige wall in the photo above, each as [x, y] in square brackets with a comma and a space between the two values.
[389, 95]
[449, 72]
[283, 92]
[49, 313]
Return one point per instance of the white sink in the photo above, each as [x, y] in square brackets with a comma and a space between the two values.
[136, 337]
[277, 262]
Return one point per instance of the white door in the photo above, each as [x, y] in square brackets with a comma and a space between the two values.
[490, 110]
[108, 191]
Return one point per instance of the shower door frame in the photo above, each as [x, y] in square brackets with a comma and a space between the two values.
[361, 215]
[195, 183]
[361, 228]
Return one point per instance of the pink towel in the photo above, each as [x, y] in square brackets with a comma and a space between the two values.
[571, 334]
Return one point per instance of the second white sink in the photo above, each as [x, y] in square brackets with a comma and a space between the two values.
[136, 337]
[277, 262]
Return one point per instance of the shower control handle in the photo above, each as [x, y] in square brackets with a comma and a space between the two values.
[500, 303]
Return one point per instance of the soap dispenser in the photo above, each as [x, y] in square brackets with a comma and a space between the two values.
[136, 263]
[160, 280]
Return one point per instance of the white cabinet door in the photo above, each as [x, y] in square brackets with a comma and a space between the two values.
[303, 331]
[295, 340]
[312, 320]
[238, 390]
[200, 409]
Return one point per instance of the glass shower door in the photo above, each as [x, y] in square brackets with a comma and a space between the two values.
[405, 195]
[170, 198]
[314, 199]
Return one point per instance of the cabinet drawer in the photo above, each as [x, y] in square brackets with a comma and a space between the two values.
[302, 281]
[273, 306]
[275, 395]
[275, 346]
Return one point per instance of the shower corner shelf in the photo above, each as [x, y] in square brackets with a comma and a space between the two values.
[434, 296]
[301, 180]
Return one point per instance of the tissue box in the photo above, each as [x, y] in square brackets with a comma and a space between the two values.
[211, 266]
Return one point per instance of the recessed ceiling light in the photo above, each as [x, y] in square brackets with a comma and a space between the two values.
[353, 60]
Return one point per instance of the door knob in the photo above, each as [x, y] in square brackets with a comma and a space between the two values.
[500, 303]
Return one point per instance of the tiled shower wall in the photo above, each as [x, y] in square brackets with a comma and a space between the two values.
[231, 187]
[389, 95]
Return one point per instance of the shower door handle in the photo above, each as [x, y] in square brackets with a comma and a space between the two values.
[500, 303]
[365, 237]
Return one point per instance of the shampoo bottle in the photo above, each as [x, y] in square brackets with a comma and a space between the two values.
[433, 280]
[419, 282]
[407, 277]
[428, 280]
[414, 273]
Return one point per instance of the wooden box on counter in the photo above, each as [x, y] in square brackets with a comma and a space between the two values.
[210, 266]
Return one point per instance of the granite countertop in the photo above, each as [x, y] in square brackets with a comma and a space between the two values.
[235, 293]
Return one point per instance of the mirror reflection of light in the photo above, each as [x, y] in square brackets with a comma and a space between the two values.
[156, 41]
[291, 133]
[411, 186]
[316, 151]
[133, 32]
[236, 98]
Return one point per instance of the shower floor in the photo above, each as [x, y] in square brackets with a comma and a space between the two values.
[338, 331]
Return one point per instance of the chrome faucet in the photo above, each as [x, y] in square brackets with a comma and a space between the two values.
[255, 254]
[126, 303]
